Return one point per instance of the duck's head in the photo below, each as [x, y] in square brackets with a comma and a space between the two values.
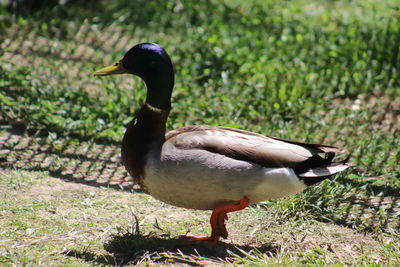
[151, 63]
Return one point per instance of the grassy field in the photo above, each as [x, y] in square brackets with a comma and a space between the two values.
[314, 71]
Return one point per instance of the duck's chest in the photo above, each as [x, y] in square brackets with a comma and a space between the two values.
[133, 151]
[145, 131]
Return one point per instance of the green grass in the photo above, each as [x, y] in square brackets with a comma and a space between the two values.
[314, 71]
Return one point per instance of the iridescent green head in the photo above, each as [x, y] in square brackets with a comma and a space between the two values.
[151, 63]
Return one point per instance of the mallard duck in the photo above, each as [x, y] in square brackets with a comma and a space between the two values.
[207, 167]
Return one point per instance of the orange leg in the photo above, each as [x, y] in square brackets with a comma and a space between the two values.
[217, 221]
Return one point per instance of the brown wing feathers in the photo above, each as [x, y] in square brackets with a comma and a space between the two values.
[311, 162]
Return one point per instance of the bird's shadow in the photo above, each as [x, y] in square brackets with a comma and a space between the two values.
[134, 248]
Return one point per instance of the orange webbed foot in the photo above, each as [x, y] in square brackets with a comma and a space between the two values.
[211, 240]
[217, 221]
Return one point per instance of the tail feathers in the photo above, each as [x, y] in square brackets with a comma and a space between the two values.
[317, 169]
[325, 171]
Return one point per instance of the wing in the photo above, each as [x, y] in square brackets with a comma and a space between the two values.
[266, 151]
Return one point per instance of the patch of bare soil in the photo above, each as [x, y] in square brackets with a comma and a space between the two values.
[53, 187]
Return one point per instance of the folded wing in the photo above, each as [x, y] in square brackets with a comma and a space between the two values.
[307, 160]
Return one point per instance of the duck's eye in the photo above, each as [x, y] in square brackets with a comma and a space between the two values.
[116, 63]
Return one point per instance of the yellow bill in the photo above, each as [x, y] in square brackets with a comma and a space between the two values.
[116, 68]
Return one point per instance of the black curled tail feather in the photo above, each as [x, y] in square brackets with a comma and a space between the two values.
[343, 161]
[313, 162]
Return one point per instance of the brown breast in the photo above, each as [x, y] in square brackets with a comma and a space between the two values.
[145, 130]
